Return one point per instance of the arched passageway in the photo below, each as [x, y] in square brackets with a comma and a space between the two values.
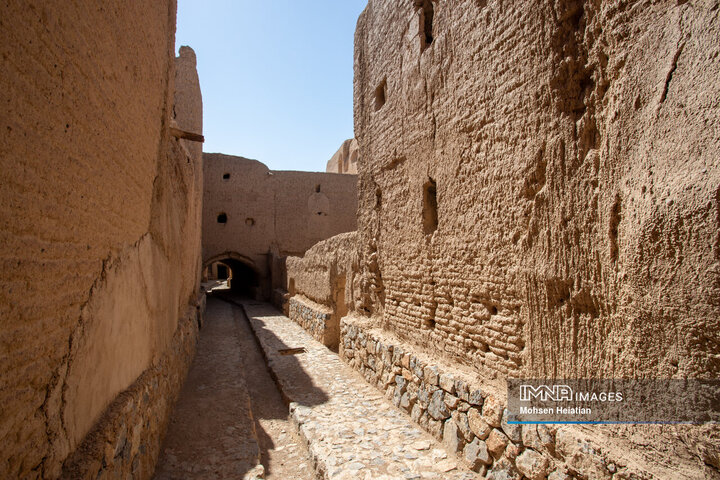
[241, 275]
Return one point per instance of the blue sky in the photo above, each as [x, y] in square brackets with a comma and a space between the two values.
[276, 76]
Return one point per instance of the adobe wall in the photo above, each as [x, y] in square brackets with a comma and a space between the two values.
[322, 286]
[271, 213]
[345, 160]
[574, 149]
[100, 238]
[539, 197]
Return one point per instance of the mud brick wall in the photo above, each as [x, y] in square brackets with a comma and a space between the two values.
[539, 190]
[99, 230]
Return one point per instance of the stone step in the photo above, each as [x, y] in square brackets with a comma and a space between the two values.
[352, 432]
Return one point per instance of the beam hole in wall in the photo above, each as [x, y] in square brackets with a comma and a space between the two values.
[380, 94]
[317, 188]
[427, 12]
[226, 176]
[222, 218]
[430, 214]
[249, 221]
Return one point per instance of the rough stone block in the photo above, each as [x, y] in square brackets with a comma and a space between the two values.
[492, 411]
[559, 475]
[532, 464]
[496, 442]
[447, 383]
[431, 375]
[514, 431]
[476, 454]
[461, 420]
[451, 401]
[437, 408]
[503, 469]
[452, 436]
[477, 424]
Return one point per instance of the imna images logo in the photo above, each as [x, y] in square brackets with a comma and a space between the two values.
[544, 393]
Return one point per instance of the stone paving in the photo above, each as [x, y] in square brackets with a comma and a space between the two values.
[352, 431]
[212, 434]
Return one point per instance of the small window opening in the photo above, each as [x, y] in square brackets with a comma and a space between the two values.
[317, 188]
[222, 218]
[380, 94]
[426, 23]
[226, 176]
[430, 215]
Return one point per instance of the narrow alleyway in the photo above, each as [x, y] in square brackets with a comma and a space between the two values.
[230, 417]
[232, 420]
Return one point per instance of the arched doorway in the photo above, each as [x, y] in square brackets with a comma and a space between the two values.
[242, 276]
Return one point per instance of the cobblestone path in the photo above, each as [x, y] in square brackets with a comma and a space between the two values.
[230, 422]
[351, 430]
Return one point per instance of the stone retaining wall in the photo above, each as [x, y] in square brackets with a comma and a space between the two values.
[470, 417]
[314, 318]
[126, 442]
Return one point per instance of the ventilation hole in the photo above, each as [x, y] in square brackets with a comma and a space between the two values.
[222, 218]
[249, 222]
[380, 94]
[317, 188]
[430, 215]
[429, 323]
[226, 176]
[426, 22]
[493, 310]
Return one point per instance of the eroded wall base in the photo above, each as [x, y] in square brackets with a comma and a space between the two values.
[471, 419]
[126, 441]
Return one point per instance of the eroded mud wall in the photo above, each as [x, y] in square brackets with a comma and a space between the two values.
[539, 196]
[552, 170]
[100, 236]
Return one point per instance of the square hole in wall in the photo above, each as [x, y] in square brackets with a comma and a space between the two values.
[222, 218]
[226, 176]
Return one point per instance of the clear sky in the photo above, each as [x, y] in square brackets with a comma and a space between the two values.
[276, 76]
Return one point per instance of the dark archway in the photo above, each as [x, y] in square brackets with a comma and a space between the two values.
[242, 280]
[243, 277]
